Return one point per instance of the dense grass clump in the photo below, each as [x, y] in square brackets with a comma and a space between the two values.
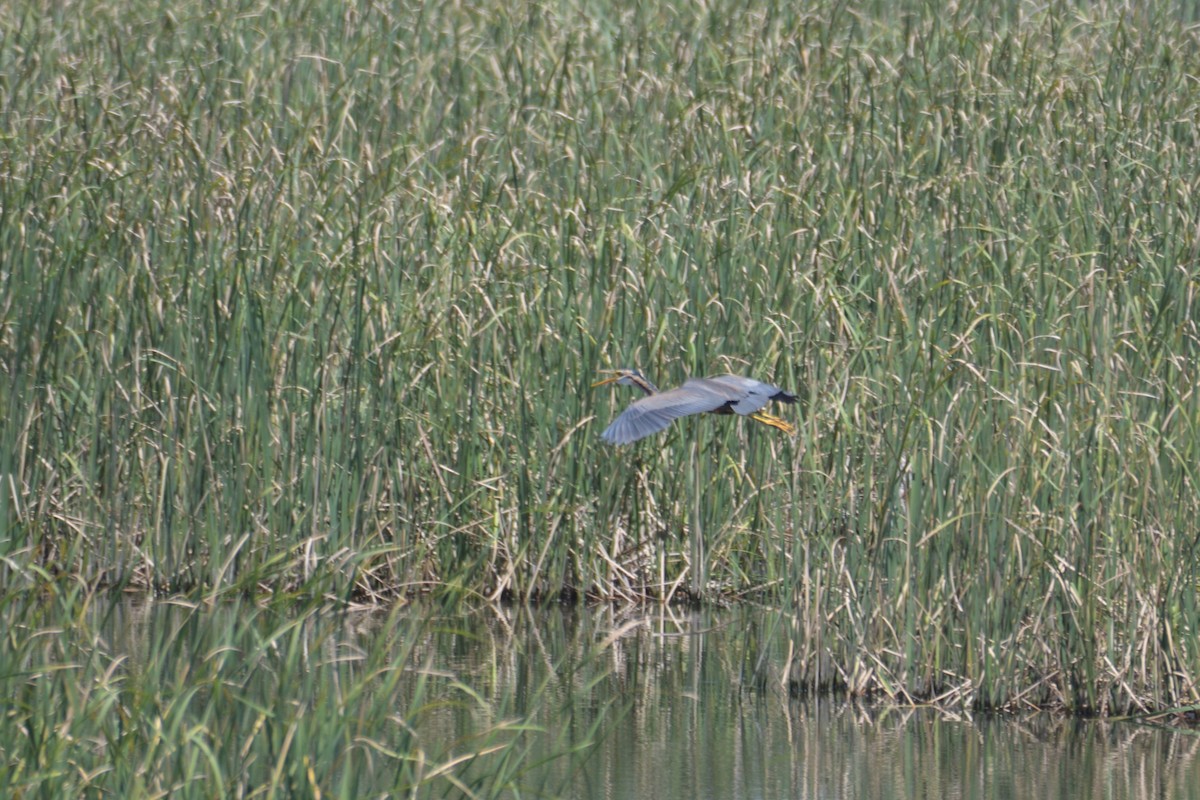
[309, 297]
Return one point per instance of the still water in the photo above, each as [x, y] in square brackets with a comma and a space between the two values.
[655, 704]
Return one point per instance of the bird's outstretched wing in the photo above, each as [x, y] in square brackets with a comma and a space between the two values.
[652, 414]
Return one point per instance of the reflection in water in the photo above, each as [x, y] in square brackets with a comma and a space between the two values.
[693, 731]
[657, 705]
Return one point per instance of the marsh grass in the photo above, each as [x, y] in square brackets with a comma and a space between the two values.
[308, 300]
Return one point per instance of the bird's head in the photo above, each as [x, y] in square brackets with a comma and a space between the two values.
[626, 377]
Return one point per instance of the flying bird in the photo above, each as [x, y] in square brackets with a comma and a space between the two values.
[721, 394]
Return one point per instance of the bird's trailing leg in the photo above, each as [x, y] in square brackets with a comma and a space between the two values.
[773, 421]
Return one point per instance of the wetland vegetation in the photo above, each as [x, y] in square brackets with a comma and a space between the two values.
[300, 305]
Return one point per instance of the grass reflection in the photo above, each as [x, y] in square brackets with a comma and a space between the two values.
[142, 699]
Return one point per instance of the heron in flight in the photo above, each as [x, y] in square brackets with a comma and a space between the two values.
[721, 394]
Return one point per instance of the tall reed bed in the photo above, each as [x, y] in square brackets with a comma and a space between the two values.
[310, 299]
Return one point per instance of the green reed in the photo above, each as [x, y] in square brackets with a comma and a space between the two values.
[310, 300]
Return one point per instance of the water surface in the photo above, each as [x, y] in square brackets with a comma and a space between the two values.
[659, 704]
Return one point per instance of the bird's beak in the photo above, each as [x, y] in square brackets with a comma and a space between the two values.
[610, 379]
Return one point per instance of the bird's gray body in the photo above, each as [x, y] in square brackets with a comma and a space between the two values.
[722, 394]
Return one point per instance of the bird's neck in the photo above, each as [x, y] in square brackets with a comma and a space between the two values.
[646, 386]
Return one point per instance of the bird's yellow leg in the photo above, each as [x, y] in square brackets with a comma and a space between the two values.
[774, 422]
